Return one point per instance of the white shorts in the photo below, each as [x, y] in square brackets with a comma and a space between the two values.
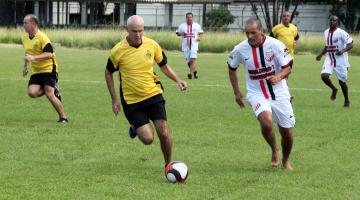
[341, 72]
[189, 54]
[281, 109]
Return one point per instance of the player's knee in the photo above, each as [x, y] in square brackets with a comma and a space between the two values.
[32, 94]
[147, 140]
[324, 77]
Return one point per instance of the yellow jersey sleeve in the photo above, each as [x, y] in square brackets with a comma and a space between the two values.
[44, 40]
[158, 53]
[113, 58]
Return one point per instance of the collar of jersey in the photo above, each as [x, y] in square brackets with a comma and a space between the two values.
[136, 46]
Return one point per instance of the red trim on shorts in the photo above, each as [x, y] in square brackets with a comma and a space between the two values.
[256, 62]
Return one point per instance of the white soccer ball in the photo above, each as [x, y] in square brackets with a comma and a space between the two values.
[176, 172]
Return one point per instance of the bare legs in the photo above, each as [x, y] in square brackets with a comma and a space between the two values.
[35, 91]
[344, 88]
[265, 120]
[192, 68]
[146, 136]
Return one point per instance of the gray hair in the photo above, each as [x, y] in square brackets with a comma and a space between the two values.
[254, 20]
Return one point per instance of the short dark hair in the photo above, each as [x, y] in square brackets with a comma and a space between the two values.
[34, 19]
[254, 20]
[189, 13]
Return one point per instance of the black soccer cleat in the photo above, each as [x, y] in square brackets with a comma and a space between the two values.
[189, 76]
[132, 133]
[195, 75]
[63, 120]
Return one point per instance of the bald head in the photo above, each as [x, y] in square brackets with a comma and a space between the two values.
[135, 20]
[135, 28]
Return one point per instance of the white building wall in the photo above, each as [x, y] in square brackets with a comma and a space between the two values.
[311, 18]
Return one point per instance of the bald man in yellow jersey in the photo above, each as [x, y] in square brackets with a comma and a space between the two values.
[288, 34]
[40, 53]
[140, 89]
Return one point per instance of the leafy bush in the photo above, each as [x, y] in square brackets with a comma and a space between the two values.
[218, 19]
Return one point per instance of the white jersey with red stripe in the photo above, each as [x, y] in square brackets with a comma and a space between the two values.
[260, 62]
[192, 31]
[336, 41]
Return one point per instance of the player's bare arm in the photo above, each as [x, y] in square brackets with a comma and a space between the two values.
[347, 48]
[180, 33]
[318, 57]
[284, 72]
[43, 56]
[239, 98]
[200, 36]
[110, 84]
[167, 70]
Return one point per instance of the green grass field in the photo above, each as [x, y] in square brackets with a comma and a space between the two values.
[92, 156]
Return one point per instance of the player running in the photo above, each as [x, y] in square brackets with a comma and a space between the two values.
[266, 63]
[337, 43]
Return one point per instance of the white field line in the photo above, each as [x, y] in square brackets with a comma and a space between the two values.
[192, 85]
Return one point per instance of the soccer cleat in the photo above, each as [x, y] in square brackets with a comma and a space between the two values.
[63, 120]
[132, 132]
[189, 76]
[57, 92]
[195, 74]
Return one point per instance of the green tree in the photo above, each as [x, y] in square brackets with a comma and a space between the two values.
[218, 19]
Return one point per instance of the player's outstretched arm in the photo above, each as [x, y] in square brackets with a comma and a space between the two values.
[234, 83]
[110, 85]
[166, 69]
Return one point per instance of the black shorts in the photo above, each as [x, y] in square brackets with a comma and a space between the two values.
[141, 113]
[43, 79]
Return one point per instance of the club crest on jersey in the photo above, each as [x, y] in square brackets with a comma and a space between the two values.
[269, 56]
[286, 52]
[257, 106]
[148, 55]
[36, 46]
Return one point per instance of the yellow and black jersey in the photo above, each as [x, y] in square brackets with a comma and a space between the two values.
[37, 45]
[287, 35]
[138, 81]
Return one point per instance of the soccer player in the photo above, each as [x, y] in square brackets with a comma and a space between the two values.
[40, 53]
[287, 33]
[266, 63]
[140, 89]
[191, 34]
[337, 43]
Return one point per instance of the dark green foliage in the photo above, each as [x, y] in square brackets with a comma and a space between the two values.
[218, 19]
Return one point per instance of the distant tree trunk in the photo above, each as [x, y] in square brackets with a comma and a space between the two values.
[267, 15]
[283, 5]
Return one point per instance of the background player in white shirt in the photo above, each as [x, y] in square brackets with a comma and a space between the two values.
[191, 34]
[266, 63]
[337, 43]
